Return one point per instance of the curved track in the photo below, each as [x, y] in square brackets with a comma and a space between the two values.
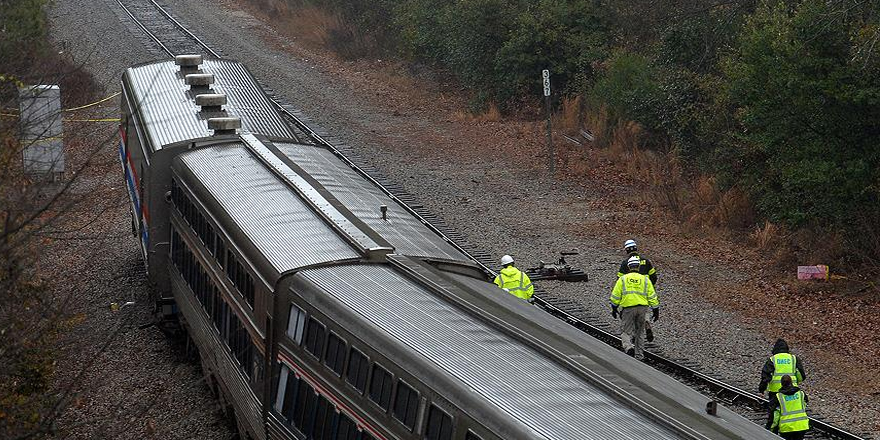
[176, 39]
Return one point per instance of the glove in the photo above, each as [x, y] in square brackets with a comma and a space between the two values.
[655, 314]
[614, 312]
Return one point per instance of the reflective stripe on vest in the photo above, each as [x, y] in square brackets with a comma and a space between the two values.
[793, 412]
[521, 291]
[640, 293]
[783, 363]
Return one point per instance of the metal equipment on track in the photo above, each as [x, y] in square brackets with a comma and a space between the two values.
[176, 39]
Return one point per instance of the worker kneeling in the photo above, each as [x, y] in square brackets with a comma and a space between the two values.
[513, 280]
[632, 295]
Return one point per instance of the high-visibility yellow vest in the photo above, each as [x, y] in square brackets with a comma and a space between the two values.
[792, 412]
[783, 363]
[634, 289]
[516, 282]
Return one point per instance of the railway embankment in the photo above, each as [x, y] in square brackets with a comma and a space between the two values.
[486, 179]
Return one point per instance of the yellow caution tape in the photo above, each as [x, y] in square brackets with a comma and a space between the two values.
[40, 141]
[67, 109]
[92, 104]
[93, 120]
[10, 78]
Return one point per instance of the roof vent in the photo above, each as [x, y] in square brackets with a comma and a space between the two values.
[211, 102]
[199, 82]
[224, 125]
[188, 63]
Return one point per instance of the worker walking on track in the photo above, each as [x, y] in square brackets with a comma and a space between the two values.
[633, 293]
[645, 268]
[513, 280]
[780, 364]
[788, 411]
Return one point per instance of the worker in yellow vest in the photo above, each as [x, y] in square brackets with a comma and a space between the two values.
[513, 280]
[781, 363]
[633, 293]
[789, 409]
[645, 268]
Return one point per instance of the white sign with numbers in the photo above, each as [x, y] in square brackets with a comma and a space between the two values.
[546, 74]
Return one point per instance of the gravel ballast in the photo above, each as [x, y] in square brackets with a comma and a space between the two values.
[485, 179]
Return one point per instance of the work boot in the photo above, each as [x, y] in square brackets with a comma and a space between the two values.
[631, 352]
[649, 335]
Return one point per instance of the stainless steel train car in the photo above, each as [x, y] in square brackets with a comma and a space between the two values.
[322, 309]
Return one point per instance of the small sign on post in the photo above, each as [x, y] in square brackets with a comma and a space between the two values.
[545, 75]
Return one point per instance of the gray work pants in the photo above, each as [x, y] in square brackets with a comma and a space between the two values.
[633, 334]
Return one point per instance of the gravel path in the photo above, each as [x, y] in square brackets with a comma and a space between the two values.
[495, 192]
[124, 379]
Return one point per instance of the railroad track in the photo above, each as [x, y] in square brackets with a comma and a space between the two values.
[173, 38]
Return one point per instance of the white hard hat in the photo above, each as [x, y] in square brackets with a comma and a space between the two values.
[507, 259]
[629, 244]
[633, 262]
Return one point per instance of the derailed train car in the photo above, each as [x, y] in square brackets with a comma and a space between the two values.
[319, 315]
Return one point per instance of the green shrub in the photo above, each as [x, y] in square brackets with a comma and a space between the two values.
[628, 87]
[809, 117]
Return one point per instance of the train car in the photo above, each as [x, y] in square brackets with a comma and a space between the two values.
[323, 309]
[160, 118]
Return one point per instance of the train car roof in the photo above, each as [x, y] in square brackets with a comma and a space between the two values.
[299, 206]
[403, 230]
[165, 105]
[658, 390]
[250, 201]
[546, 399]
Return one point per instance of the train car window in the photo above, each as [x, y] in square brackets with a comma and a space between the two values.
[315, 336]
[296, 323]
[239, 277]
[289, 391]
[303, 393]
[219, 251]
[216, 311]
[358, 367]
[380, 387]
[249, 289]
[230, 265]
[224, 321]
[439, 425]
[335, 356]
[406, 405]
[471, 436]
[309, 406]
[325, 420]
[346, 429]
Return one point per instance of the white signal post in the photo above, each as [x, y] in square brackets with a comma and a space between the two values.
[545, 74]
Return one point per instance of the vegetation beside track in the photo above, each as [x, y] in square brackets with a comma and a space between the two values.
[761, 117]
[30, 320]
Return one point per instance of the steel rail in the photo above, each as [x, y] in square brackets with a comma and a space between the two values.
[144, 28]
[185, 30]
[826, 428]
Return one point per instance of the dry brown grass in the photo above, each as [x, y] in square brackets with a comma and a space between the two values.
[695, 200]
[312, 25]
[766, 236]
[492, 114]
[568, 120]
[597, 122]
